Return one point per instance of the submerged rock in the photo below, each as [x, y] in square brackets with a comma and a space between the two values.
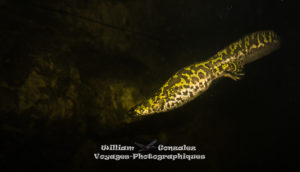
[51, 88]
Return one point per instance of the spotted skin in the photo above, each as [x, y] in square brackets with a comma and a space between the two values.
[189, 82]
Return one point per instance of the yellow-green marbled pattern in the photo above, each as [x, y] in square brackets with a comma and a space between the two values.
[189, 82]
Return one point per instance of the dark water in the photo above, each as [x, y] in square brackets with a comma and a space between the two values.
[70, 70]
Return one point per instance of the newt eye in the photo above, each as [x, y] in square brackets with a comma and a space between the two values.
[137, 110]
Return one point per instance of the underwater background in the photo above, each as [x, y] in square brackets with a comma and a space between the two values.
[70, 71]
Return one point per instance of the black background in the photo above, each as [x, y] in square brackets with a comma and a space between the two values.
[247, 125]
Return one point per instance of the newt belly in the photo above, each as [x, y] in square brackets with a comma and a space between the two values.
[189, 82]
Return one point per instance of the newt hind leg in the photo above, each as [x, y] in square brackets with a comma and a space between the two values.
[234, 75]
